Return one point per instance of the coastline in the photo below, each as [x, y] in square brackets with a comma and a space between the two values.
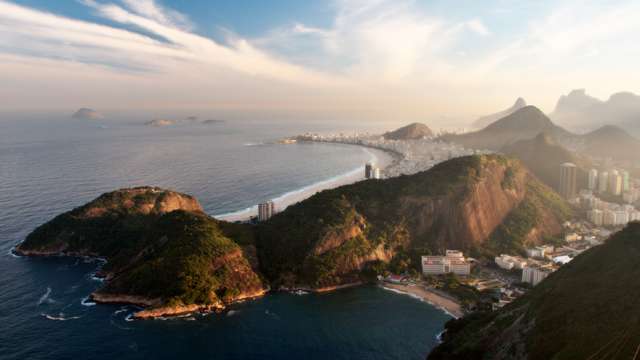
[382, 157]
[448, 305]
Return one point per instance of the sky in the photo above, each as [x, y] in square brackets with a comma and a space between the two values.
[396, 60]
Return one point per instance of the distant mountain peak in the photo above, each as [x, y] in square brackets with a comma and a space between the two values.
[528, 117]
[488, 119]
[412, 131]
[520, 103]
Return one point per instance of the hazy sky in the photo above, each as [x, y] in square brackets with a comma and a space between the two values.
[390, 59]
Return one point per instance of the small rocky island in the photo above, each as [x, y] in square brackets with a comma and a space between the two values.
[164, 253]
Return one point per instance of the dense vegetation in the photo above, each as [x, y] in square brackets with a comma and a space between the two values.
[587, 309]
[190, 261]
[286, 242]
[363, 219]
[511, 237]
[178, 257]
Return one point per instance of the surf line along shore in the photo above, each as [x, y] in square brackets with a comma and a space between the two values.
[381, 158]
[448, 305]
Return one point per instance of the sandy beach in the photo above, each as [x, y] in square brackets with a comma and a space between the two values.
[448, 305]
[379, 157]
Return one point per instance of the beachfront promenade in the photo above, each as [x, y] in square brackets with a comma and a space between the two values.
[410, 156]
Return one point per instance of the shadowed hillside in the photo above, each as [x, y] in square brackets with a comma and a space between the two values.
[589, 309]
[523, 124]
[543, 156]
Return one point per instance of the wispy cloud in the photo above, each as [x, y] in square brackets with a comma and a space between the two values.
[391, 55]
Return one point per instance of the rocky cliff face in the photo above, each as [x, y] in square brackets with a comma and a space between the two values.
[461, 204]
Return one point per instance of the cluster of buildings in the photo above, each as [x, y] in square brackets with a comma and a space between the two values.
[452, 262]
[415, 155]
[545, 259]
[266, 210]
[613, 182]
[604, 213]
[372, 172]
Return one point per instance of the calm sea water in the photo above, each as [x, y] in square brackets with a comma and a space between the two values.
[50, 166]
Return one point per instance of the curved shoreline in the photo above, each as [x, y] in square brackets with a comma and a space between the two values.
[438, 301]
[292, 197]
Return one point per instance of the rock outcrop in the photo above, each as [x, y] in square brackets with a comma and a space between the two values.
[415, 131]
[87, 114]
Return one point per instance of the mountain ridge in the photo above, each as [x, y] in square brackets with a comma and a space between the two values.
[488, 119]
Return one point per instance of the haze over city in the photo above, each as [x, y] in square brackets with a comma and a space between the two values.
[348, 59]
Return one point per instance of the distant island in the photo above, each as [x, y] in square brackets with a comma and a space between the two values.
[165, 254]
[212, 121]
[87, 114]
[187, 120]
[159, 122]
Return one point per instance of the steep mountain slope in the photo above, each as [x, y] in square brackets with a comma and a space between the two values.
[413, 131]
[162, 251]
[589, 309]
[484, 121]
[480, 204]
[543, 156]
[612, 141]
[523, 124]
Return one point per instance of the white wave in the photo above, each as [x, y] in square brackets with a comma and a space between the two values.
[129, 317]
[12, 253]
[254, 144]
[232, 312]
[119, 311]
[60, 317]
[439, 336]
[93, 276]
[86, 302]
[45, 297]
[300, 292]
[289, 198]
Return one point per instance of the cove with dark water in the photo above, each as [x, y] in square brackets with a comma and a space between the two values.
[50, 166]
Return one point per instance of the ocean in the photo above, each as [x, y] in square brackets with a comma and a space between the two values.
[48, 166]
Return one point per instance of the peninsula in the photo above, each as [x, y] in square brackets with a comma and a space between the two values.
[163, 252]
